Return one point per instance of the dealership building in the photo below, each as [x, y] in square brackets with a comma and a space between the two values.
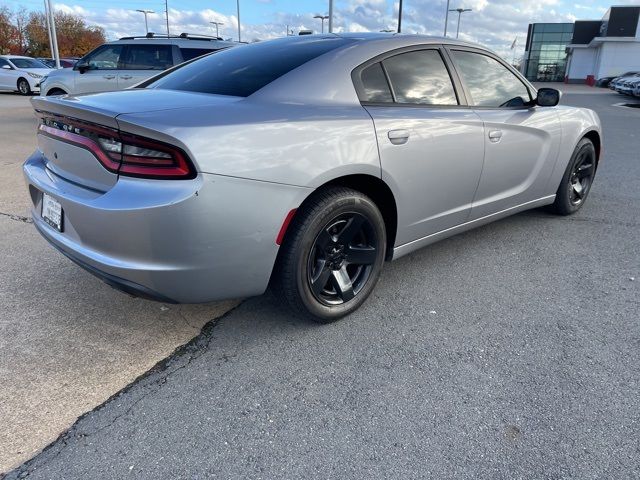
[585, 51]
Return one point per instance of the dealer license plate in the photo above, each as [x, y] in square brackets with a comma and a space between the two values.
[52, 212]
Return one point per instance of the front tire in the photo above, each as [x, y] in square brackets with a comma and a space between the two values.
[577, 179]
[23, 87]
[332, 255]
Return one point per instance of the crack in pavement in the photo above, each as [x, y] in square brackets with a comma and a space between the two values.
[17, 218]
[151, 381]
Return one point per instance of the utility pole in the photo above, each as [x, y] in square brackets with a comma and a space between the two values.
[446, 19]
[400, 17]
[330, 16]
[460, 12]
[239, 34]
[322, 18]
[217, 24]
[146, 12]
[166, 11]
[46, 16]
[54, 36]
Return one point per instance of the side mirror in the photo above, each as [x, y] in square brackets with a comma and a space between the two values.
[7, 67]
[548, 97]
[82, 66]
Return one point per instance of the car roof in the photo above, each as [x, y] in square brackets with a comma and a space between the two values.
[15, 56]
[326, 79]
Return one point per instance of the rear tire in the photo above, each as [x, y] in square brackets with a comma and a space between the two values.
[577, 180]
[332, 255]
[23, 87]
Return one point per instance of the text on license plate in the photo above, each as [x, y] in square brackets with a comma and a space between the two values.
[52, 212]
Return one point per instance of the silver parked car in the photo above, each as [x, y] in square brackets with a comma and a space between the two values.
[304, 162]
[123, 63]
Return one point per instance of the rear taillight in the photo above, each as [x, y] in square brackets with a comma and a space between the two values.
[120, 152]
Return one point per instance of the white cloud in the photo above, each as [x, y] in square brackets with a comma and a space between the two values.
[494, 23]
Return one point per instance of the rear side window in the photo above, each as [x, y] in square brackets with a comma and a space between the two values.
[420, 77]
[375, 86]
[148, 57]
[490, 83]
[241, 71]
[191, 53]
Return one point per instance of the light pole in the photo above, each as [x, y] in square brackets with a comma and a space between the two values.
[217, 24]
[446, 19]
[239, 34]
[146, 12]
[330, 16]
[322, 18]
[166, 11]
[54, 35]
[460, 11]
[400, 17]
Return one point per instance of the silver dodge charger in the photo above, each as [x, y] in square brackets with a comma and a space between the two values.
[301, 163]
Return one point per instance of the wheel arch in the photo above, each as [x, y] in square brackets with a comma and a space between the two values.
[56, 91]
[379, 192]
[594, 136]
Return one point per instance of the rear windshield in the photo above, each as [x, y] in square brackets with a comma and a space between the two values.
[243, 70]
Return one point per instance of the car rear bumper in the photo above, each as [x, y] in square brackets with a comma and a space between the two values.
[178, 241]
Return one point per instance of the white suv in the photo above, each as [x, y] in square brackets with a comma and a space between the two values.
[125, 62]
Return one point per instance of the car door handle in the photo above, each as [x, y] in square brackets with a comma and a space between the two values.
[398, 137]
[109, 77]
[126, 77]
[495, 135]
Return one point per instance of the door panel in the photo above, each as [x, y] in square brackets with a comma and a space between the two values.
[6, 76]
[433, 172]
[518, 163]
[521, 140]
[95, 81]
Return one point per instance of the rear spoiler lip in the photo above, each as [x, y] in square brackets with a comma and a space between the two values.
[64, 106]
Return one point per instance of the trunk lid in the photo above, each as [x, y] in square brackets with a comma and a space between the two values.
[74, 130]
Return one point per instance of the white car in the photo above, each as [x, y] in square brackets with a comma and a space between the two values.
[22, 74]
[123, 63]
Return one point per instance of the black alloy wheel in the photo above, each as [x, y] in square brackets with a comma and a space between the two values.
[332, 254]
[582, 176]
[577, 179]
[342, 258]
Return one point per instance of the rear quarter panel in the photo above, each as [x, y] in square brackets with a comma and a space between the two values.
[273, 142]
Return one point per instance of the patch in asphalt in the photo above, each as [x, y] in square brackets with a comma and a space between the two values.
[17, 218]
[150, 381]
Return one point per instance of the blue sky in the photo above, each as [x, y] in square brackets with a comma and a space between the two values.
[494, 23]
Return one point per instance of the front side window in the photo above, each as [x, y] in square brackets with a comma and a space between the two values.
[420, 77]
[490, 83]
[105, 58]
[148, 57]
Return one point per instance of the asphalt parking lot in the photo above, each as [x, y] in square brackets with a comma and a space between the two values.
[67, 341]
[510, 351]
